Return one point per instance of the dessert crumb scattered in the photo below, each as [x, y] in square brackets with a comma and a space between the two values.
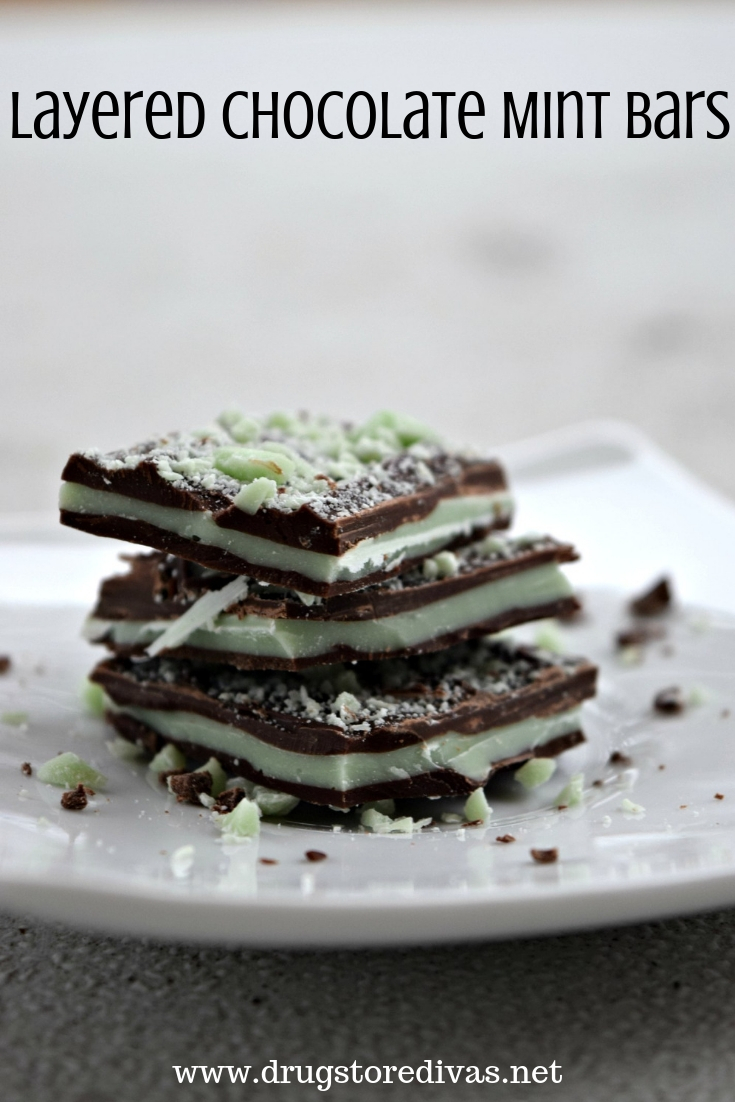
[5, 663]
[76, 799]
[545, 856]
[638, 636]
[505, 838]
[187, 787]
[26, 769]
[315, 855]
[268, 861]
[669, 702]
[164, 775]
[719, 796]
[619, 758]
[656, 600]
[229, 799]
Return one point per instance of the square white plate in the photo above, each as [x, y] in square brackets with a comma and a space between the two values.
[634, 514]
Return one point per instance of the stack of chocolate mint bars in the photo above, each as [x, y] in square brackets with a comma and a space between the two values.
[320, 609]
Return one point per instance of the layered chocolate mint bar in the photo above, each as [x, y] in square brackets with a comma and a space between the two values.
[167, 606]
[429, 725]
[299, 501]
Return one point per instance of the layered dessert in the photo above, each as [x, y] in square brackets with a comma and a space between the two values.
[165, 605]
[318, 616]
[300, 501]
[435, 725]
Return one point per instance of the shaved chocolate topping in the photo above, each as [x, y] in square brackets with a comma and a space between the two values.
[655, 601]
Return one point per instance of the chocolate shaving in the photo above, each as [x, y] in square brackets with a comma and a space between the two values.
[719, 796]
[638, 637]
[268, 861]
[505, 838]
[315, 855]
[26, 769]
[655, 601]
[5, 663]
[545, 856]
[76, 800]
[228, 800]
[669, 702]
[166, 773]
[188, 786]
[619, 758]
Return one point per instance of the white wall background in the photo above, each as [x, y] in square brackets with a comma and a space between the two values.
[497, 288]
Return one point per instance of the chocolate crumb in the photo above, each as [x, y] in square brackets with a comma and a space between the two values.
[187, 786]
[228, 800]
[655, 601]
[669, 702]
[725, 713]
[5, 663]
[22, 929]
[598, 783]
[268, 861]
[315, 855]
[719, 796]
[473, 823]
[618, 758]
[166, 773]
[505, 838]
[76, 800]
[682, 807]
[662, 766]
[545, 856]
[26, 769]
[637, 637]
[562, 807]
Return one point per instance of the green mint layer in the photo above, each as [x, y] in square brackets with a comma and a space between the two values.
[302, 639]
[470, 755]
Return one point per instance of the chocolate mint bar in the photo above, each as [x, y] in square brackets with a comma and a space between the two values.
[167, 605]
[430, 725]
[300, 501]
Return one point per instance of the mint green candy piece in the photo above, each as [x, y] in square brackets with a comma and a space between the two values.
[272, 803]
[247, 464]
[251, 497]
[67, 771]
[217, 773]
[477, 807]
[548, 637]
[384, 807]
[242, 822]
[384, 824]
[14, 719]
[407, 429]
[536, 771]
[168, 757]
[571, 794]
[93, 698]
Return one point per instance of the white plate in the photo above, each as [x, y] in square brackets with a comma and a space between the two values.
[633, 513]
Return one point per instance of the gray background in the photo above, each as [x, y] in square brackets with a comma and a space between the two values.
[497, 289]
[638, 1014]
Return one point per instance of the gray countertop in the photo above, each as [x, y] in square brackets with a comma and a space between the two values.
[636, 1014]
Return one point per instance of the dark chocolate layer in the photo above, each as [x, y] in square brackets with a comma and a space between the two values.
[469, 688]
[303, 528]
